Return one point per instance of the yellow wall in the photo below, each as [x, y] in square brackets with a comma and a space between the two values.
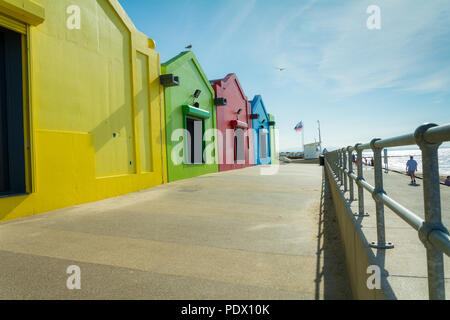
[95, 111]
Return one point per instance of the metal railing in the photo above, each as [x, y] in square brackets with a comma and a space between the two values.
[431, 231]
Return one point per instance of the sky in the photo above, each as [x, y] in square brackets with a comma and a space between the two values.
[359, 83]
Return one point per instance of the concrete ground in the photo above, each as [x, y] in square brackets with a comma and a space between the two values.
[232, 235]
[406, 263]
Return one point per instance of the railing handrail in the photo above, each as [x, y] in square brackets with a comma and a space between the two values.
[437, 134]
[431, 231]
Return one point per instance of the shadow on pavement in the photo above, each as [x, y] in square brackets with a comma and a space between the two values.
[332, 281]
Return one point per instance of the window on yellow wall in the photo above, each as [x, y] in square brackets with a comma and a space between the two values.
[12, 150]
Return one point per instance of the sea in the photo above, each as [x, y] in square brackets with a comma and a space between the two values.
[397, 159]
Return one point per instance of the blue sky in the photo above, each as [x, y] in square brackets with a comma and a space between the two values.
[359, 83]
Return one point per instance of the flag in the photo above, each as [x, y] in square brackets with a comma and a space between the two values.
[299, 126]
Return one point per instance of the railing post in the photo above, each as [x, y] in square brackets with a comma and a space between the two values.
[378, 172]
[340, 166]
[359, 165]
[433, 218]
[335, 162]
[350, 171]
[330, 158]
[335, 158]
[344, 167]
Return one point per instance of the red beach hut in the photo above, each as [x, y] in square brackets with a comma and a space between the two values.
[234, 124]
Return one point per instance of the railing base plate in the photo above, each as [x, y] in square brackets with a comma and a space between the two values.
[361, 215]
[376, 245]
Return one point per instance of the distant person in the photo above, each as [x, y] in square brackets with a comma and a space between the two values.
[447, 181]
[411, 168]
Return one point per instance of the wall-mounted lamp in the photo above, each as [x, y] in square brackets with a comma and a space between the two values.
[220, 101]
[264, 121]
[239, 111]
[197, 93]
[169, 80]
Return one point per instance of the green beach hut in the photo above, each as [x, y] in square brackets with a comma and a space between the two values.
[190, 115]
[273, 146]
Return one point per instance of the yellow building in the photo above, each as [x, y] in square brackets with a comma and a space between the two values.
[81, 106]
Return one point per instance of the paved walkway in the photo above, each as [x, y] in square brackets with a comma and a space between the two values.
[406, 263]
[234, 235]
[399, 188]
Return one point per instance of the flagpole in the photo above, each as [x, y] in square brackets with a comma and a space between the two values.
[301, 127]
[303, 139]
[320, 137]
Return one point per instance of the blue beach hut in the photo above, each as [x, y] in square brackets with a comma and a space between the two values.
[261, 135]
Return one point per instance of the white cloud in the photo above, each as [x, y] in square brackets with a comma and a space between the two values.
[434, 82]
[227, 28]
[335, 51]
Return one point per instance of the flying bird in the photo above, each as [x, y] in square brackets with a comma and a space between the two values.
[189, 47]
[280, 69]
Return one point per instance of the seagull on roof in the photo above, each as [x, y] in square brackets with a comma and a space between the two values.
[189, 47]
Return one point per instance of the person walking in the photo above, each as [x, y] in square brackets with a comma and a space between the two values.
[447, 181]
[411, 168]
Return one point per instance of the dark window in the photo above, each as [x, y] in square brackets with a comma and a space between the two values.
[239, 154]
[12, 151]
[263, 143]
[235, 147]
[194, 141]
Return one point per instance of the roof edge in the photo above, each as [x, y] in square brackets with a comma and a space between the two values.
[256, 99]
[232, 77]
[123, 15]
[28, 11]
[180, 59]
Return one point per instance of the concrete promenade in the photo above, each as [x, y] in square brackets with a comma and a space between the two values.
[233, 235]
[406, 263]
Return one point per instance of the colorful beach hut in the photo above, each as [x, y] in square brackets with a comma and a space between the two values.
[190, 119]
[80, 111]
[235, 141]
[261, 134]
